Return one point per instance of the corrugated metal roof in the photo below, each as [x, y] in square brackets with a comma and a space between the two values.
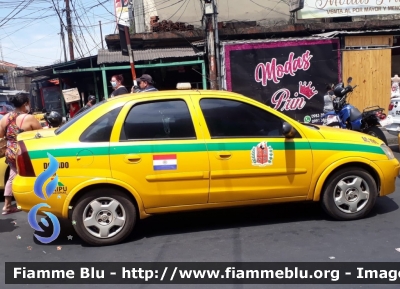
[271, 40]
[335, 33]
[199, 43]
[4, 63]
[106, 56]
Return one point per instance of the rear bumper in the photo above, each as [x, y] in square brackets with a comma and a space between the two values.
[390, 171]
[26, 198]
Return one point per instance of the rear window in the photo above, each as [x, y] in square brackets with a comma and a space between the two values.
[76, 118]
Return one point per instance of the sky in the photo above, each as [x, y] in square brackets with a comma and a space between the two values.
[32, 37]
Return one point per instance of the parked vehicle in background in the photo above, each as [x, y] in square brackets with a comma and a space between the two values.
[394, 112]
[346, 116]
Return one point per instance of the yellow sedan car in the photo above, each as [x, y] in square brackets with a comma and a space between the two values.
[133, 156]
[4, 173]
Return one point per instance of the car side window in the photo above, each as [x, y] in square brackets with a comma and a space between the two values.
[100, 130]
[169, 119]
[235, 119]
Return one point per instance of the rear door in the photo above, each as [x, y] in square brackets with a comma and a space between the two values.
[160, 153]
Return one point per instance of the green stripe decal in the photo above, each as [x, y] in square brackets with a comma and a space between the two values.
[347, 147]
[180, 148]
[160, 148]
[70, 152]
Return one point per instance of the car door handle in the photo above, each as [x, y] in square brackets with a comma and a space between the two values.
[223, 155]
[132, 158]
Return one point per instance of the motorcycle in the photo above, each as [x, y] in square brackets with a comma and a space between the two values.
[51, 119]
[346, 116]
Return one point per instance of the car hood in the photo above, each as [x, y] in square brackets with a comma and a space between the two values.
[41, 133]
[350, 136]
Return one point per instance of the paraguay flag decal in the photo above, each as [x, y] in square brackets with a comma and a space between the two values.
[165, 162]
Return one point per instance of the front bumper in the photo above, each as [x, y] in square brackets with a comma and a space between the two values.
[390, 170]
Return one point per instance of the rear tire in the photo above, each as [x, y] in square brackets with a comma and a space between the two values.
[376, 132]
[349, 194]
[104, 217]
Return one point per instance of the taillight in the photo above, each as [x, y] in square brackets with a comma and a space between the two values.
[391, 106]
[24, 163]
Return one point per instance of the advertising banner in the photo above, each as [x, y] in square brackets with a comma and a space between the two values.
[289, 76]
[122, 12]
[344, 8]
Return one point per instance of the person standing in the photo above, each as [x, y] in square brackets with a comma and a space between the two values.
[11, 125]
[328, 99]
[117, 84]
[73, 108]
[145, 84]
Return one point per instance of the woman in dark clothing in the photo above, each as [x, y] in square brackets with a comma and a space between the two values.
[119, 88]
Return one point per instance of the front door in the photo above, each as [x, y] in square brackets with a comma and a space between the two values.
[160, 155]
[250, 159]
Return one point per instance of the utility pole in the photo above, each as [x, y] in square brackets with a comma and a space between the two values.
[69, 31]
[209, 11]
[63, 41]
[131, 61]
[128, 43]
[1, 53]
[215, 16]
[101, 36]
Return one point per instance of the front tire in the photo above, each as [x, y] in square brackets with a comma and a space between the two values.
[104, 217]
[376, 132]
[350, 194]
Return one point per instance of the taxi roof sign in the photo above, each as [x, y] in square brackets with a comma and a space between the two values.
[184, 85]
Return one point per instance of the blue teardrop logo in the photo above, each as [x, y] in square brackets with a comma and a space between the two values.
[38, 190]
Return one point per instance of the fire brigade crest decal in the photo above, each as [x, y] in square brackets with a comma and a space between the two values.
[262, 155]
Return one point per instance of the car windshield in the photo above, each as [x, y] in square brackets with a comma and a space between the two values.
[76, 118]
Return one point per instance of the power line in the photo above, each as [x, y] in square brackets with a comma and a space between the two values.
[17, 12]
[59, 16]
[39, 17]
[77, 18]
[270, 10]
[178, 9]
[11, 12]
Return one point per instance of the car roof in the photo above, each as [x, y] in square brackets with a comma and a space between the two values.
[133, 96]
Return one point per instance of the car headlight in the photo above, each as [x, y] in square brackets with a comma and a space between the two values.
[388, 152]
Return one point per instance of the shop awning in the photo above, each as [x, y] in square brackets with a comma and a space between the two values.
[106, 56]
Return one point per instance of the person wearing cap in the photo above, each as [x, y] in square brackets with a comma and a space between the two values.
[145, 84]
[89, 104]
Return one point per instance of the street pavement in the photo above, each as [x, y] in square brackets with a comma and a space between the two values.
[273, 233]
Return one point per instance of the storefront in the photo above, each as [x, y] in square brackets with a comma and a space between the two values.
[290, 74]
[167, 66]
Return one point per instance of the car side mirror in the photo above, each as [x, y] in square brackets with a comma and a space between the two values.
[288, 130]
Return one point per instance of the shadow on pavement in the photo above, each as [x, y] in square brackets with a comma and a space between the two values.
[217, 219]
[7, 225]
[383, 206]
[209, 220]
